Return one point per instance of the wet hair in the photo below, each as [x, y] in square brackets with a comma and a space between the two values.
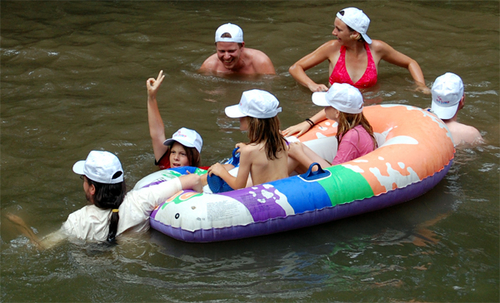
[349, 121]
[268, 131]
[109, 196]
[193, 155]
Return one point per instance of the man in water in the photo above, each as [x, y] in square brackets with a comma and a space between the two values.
[447, 99]
[233, 57]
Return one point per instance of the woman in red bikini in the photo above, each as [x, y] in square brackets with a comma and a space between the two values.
[353, 58]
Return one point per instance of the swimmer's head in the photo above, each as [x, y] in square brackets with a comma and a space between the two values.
[191, 143]
[229, 33]
[255, 103]
[357, 20]
[186, 137]
[100, 166]
[447, 91]
[341, 96]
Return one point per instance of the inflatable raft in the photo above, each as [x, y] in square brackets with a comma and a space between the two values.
[415, 152]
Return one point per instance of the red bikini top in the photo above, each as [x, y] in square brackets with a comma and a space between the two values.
[340, 74]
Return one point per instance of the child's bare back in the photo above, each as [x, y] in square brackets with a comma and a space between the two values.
[262, 170]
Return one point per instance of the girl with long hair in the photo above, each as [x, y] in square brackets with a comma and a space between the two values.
[344, 104]
[264, 158]
[110, 210]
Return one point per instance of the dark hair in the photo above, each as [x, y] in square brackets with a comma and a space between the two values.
[192, 154]
[109, 196]
[349, 121]
[267, 130]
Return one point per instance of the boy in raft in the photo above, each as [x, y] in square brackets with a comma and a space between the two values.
[111, 211]
[232, 57]
[447, 99]
[184, 148]
[343, 104]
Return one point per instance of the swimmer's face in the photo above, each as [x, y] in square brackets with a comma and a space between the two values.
[229, 53]
[341, 31]
[244, 121]
[332, 113]
[178, 156]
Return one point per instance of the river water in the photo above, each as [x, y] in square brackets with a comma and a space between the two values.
[73, 79]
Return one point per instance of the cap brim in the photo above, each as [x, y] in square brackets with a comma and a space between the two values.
[233, 111]
[171, 141]
[367, 39]
[444, 113]
[319, 98]
[78, 167]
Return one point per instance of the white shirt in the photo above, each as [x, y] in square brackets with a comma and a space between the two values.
[91, 223]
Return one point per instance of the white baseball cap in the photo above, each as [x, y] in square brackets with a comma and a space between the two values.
[100, 166]
[447, 91]
[235, 32]
[255, 103]
[357, 20]
[342, 96]
[186, 137]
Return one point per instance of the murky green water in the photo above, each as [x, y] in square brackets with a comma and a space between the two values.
[73, 79]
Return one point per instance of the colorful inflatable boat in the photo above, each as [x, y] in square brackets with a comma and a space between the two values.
[415, 152]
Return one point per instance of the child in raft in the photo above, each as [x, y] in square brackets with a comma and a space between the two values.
[264, 158]
[183, 149]
[344, 104]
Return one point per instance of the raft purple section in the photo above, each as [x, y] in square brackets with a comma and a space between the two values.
[307, 218]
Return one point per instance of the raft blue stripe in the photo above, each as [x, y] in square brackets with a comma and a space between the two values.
[303, 196]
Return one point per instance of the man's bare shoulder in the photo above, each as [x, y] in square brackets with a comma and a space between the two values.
[255, 53]
[259, 60]
[210, 64]
[465, 135]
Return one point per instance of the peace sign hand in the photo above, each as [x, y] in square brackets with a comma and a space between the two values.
[154, 84]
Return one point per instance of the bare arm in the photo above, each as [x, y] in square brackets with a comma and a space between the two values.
[156, 127]
[303, 127]
[240, 181]
[298, 69]
[389, 54]
[303, 157]
[46, 243]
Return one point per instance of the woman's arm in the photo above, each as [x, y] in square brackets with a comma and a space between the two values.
[297, 70]
[389, 54]
[303, 127]
[156, 127]
[46, 243]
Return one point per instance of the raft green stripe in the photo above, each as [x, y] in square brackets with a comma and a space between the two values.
[345, 185]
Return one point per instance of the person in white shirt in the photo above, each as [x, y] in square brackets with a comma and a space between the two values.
[111, 211]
